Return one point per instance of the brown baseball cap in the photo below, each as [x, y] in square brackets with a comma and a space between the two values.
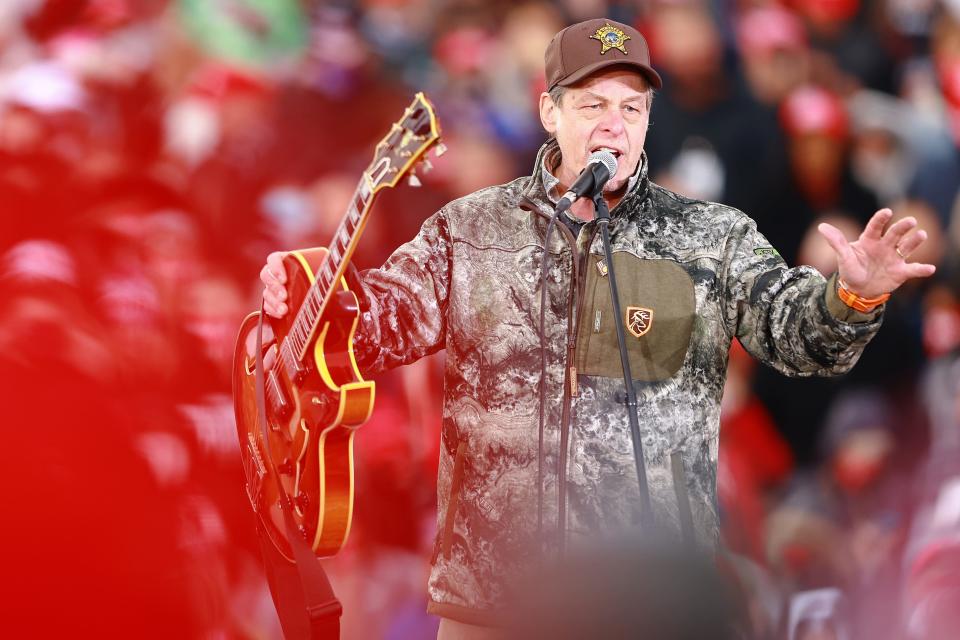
[585, 47]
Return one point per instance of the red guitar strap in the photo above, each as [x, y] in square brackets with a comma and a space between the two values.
[314, 596]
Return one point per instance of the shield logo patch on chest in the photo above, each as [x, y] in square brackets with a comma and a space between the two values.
[639, 320]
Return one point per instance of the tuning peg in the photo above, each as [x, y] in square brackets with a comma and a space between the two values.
[440, 149]
[426, 166]
[413, 180]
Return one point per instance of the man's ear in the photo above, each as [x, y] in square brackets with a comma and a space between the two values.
[548, 113]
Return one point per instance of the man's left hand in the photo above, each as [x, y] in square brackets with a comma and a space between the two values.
[876, 262]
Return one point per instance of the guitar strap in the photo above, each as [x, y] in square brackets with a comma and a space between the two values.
[316, 596]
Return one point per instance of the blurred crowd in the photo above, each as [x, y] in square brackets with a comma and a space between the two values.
[152, 152]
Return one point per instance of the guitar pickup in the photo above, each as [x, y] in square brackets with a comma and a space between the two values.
[277, 398]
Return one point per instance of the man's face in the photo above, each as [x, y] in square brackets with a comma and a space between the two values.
[609, 109]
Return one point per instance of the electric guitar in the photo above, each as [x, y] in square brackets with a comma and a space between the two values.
[315, 395]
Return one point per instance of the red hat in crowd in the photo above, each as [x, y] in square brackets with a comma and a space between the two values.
[814, 110]
[764, 30]
[828, 10]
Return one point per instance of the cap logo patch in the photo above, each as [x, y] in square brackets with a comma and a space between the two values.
[639, 320]
[611, 38]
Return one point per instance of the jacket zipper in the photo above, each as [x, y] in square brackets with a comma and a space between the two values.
[573, 328]
[570, 381]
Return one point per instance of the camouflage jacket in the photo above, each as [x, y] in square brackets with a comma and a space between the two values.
[692, 276]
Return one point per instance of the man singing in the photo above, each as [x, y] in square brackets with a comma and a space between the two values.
[537, 455]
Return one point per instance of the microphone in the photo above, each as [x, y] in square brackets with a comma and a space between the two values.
[601, 166]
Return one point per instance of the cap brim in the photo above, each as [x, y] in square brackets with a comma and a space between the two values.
[652, 76]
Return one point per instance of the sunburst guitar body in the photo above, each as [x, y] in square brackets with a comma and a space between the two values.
[315, 395]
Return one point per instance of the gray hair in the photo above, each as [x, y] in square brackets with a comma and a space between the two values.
[556, 94]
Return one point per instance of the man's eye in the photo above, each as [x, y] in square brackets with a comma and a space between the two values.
[592, 107]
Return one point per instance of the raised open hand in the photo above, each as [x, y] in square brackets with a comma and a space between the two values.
[876, 262]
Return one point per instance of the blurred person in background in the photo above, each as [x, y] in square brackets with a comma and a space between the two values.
[849, 53]
[931, 590]
[804, 542]
[817, 130]
[868, 485]
[941, 394]
[754, 459]
[943, 102]
[469, 282]
[82, 536]
[898, 154]
[773, 45]
[709, 137]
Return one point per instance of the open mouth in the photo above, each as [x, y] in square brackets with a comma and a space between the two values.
[616, 154]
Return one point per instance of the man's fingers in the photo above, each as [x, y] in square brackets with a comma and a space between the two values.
[878, 221]
[898, 229]
[910, 243]
[274, 277]
[270, 277]
[274, 268]
[275, 290]
[266, 276]
[276, 311]
[835, 239]
[919, 270]
[273, 303]
[274, 296]
[275, 262]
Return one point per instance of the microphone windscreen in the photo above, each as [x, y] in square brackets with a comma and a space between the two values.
[605, 158]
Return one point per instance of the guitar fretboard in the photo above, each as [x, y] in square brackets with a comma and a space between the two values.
[396, 153]
[315, 301]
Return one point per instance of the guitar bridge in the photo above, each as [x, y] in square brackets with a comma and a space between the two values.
[255, 470]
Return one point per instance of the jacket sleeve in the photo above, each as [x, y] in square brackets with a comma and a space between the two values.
[403, 304]
[791, 319]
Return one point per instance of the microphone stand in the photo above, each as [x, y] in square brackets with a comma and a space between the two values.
[603, 221]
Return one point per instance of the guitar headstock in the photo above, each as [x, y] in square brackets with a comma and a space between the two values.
[405, 145]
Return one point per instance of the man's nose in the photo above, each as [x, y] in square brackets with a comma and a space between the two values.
[612, 121]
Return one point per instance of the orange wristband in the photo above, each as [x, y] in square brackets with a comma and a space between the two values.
[852, 300]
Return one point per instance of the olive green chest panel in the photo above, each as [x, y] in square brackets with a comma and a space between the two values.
[657, 305]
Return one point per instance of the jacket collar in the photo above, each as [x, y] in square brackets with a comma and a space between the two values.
[541, 189]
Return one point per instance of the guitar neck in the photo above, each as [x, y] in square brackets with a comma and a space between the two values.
[396, 154]
[341, 248]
